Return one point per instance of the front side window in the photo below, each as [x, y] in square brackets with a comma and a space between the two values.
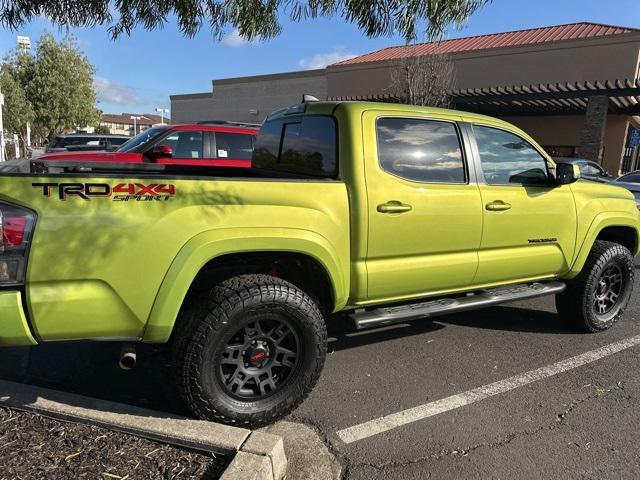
[420, 150]
[597, 169]
[587, 169]
[63, 142]
[186, 144]
[235, 146]
[508, 159]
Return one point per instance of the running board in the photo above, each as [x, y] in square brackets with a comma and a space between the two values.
[443, 306]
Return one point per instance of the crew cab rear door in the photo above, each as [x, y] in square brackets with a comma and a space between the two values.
[529, 225]
[424, 210]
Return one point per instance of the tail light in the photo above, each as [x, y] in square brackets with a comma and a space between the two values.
[16, 228]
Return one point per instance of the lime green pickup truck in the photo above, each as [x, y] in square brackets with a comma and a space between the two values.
[388, 213]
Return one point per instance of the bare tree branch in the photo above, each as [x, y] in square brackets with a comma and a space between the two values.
[426, 80]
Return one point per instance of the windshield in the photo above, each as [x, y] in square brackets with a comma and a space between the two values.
[633, 177]
[141, 139]
[63, 142]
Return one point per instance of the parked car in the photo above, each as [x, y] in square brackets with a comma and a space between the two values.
[631, 181]
[84, 142]
[387, 212]
[588, 169]
[221, 144]
[35, 152]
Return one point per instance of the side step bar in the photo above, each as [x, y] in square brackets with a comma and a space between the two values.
[443, 306]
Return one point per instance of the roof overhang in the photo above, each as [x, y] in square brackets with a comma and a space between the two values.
[542, 99]
[551, 98]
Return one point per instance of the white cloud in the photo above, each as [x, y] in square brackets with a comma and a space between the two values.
[234, 40]
[321, 60]
[116, 93]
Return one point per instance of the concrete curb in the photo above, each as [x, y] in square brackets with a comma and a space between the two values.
[258, 455]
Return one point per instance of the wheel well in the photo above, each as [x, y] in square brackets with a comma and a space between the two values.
[623, 235]
[299, 269]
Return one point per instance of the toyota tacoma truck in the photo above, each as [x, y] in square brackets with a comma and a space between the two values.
[385, 212]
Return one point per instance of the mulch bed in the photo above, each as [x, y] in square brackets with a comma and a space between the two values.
[36, 447]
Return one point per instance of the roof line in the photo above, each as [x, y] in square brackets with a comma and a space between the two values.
[485, 35]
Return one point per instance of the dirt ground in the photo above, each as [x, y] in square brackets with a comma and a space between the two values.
[36, 447]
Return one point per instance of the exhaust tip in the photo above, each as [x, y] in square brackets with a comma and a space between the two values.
[128, 358]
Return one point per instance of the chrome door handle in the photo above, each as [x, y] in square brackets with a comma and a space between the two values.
[497, 206]
[393, 206]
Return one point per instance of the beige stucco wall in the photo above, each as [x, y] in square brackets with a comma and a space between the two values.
[192, 107]
[604, 58]
[568, 61]
[235, 99]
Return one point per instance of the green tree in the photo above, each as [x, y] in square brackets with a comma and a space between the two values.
[17, 110]
[102, 130]
[60, 87]
[252, 18]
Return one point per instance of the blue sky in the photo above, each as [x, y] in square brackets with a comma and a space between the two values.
[139, 72]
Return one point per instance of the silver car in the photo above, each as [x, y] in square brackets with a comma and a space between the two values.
[588, 169]
[630, 181]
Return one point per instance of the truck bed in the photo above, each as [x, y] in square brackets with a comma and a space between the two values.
[104, 244]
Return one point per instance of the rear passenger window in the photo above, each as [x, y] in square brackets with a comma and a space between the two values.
[235, 146]
[508, 159]
[420, 150]
[300, 145]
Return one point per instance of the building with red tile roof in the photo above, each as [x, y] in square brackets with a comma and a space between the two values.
[122, 123]
[572, 87]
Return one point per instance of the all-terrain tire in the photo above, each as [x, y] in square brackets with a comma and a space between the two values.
[588, 301]
[237, 310]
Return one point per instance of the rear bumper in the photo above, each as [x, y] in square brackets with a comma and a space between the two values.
[14, 330]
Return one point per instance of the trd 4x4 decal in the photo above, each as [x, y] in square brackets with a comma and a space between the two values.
[122, 192]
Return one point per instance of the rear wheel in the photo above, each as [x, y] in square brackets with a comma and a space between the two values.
[597, 297]
[250, 351]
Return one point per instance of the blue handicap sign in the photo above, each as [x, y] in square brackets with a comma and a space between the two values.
[634, 141]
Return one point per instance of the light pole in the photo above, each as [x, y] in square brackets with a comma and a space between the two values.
[134, 118]
[1, 129]
[24, 44]
[162, 111]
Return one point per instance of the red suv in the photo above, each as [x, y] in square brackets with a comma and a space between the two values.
[221, 144]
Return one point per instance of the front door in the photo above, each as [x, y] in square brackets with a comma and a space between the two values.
[529, 226]
[425, 214]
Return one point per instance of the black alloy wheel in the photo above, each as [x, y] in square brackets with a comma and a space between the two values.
[259, 358]
[249, 351]
[596, 298]
[607, 290]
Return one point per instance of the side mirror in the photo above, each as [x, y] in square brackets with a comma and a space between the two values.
[161, 151]
[567, 173]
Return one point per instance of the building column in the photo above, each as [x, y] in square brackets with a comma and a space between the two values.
[593, 130]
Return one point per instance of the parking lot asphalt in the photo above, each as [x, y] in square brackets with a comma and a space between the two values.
[578, 422]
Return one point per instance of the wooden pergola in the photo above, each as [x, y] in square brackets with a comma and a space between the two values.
[550, 99]
[562, 98]
[594, 100]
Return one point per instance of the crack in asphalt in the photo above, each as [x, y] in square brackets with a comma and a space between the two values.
[558, 422]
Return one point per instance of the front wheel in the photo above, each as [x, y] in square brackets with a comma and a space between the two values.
[597, 297]
[250, 351]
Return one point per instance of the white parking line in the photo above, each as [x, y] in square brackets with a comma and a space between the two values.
[395, 420]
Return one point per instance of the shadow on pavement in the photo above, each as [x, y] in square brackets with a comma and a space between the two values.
[91, 369]
[342, 335]
[512, 319]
